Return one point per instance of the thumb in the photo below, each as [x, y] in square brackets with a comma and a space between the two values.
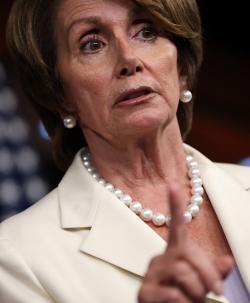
[224, 265]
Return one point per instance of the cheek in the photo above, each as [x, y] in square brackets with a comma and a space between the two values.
[166, 72]
[89, 95]
[163, 63]
[84, 86]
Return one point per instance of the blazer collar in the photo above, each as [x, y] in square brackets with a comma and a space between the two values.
[76, 193]
[231, 202]
[119, 237]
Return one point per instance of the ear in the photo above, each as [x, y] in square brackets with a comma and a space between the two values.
[67, 109]
[183, 83]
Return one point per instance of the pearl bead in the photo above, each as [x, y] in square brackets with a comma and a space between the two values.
[109, 186]
[136, 207]
[187, 216]
[118, 192]
[168, 220]
[194, 172]
[86, 163]
[197, 189]
[194, 210]
[85, 158]
[146, 214]
[159, 219]
[196, 181]
[197, 199]
[101, 181]
[90, 169]
[193, 164]
[95, 175]
[189, 158]
[126, 199]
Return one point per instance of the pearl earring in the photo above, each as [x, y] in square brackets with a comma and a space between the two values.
[69, 122]
[186, 96]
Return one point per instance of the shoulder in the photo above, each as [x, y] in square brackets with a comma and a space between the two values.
[39, 216]
[22, 238]
[239, 172]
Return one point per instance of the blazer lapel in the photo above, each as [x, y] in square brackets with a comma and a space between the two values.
[116, 235]
[119, 237]
[231, 203]
[77, 204]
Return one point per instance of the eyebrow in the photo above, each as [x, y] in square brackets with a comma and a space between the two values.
[87, 20]
[96, 20]
[136, 10]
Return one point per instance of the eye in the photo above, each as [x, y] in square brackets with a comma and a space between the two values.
[92, 45]
[148, 33]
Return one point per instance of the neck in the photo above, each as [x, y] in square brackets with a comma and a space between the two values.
[143, 165]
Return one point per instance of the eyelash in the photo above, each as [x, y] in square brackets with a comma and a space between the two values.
[150, 28]
[90, 39]
[96, 39]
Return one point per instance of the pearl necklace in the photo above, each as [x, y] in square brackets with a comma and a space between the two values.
[146, 214]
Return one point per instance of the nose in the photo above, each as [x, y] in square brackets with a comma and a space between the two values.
[130, 69]
[128, 63]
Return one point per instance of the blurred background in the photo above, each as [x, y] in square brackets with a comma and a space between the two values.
[221, 128]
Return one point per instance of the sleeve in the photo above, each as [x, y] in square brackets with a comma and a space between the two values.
[18, 284]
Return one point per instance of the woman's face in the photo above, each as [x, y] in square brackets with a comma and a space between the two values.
[119, 74]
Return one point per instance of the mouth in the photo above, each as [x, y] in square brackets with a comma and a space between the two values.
[135, 95]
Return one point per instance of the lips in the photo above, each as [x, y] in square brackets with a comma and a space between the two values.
[134, 93]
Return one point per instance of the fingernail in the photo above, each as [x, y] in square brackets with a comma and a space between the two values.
[218, 288]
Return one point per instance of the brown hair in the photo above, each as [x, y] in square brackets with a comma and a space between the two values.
[31, 40]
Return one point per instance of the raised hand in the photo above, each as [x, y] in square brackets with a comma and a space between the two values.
[183, 273]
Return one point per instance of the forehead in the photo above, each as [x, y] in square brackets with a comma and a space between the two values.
[71, 10]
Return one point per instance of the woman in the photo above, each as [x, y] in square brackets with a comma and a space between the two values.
[115, 75]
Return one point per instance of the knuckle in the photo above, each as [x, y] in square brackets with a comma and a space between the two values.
[199, 295]
[143, 294]
[174, 295]
[155, 261]
[199, 299]
[210, 278]
[182, 269]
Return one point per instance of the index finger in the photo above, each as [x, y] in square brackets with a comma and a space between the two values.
[177, 233]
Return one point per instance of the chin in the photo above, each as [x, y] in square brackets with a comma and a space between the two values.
[144, 122]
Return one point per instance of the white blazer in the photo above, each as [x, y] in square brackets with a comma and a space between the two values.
[80, 244]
